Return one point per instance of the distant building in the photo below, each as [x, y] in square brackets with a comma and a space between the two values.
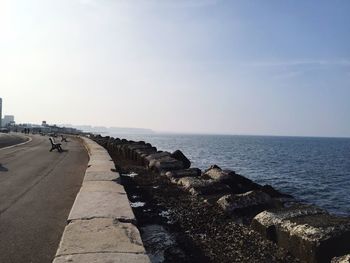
[44, 123]
[8, 119]
[0, 112]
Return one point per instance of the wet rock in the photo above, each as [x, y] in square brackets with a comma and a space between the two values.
[265, 222]
[216, 173]
[157, 241]
[110, 143]
[165, 164]
[198, 186]
[308, 232]
[238, 183]
[256, 200]
[133, 147]
[343, 259]
[156, 156]
[178, 155]
[113, 144]
[136, 148]
[142, 153]
[175, 175]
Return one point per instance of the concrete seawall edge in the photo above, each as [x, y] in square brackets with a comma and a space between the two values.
[101, 224]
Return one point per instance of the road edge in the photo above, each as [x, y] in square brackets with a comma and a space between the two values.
[18, 144]
[101, 224]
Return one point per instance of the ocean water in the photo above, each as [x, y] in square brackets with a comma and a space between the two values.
[315, 170]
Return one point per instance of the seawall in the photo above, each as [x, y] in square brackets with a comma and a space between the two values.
[101, 224]
[308, 232]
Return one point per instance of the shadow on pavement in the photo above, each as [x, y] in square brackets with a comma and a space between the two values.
[3, 169]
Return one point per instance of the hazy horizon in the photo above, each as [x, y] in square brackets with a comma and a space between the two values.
[195, 66]
[158, 132]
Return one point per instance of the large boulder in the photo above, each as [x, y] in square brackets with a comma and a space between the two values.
[140, 154]
[156, 156]
[133, 150]
[199, 186]
[252, 200]
[308, 232]
[165, 164]
[216, 173]
[238, 183]
[178, 155]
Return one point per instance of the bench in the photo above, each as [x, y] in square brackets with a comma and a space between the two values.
[55, 145]
[64, 139]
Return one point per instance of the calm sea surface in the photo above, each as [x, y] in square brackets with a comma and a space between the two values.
[316, 170]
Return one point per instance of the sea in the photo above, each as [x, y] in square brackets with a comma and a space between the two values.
[314, 170]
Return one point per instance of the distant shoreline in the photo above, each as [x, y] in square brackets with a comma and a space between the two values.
[155, 133]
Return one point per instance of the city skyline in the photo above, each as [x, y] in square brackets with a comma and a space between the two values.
[206, 66]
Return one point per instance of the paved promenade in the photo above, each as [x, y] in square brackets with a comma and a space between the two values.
[37, 191]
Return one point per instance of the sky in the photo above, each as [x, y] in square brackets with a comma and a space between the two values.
[195, 66]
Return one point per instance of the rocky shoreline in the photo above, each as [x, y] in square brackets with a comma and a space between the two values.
[188, 215]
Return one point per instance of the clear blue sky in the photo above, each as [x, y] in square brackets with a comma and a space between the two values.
[208, 66]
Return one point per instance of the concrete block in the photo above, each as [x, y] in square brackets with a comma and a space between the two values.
[308, 233]
[91, 175]
[238, 183]
[165, 164]
[100, 200]
[98, 151]
[215, 173]
[266, 221]
[105, 162]
[102, 186]
[92, 146]
[254, 200]
[178, 155]
[98, 236]
[156, 156]
[103, 156]
[103, 258]
[191, 172]
[101, 167]
[199, 186]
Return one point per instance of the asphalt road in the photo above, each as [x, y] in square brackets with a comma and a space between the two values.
[37, 191]
[7, 139]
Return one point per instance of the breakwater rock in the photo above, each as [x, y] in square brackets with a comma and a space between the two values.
[308, 232]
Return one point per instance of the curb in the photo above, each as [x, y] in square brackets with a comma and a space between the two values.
[100, 226]
[18, 144]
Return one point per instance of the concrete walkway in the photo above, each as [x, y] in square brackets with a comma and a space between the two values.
[37, 191]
